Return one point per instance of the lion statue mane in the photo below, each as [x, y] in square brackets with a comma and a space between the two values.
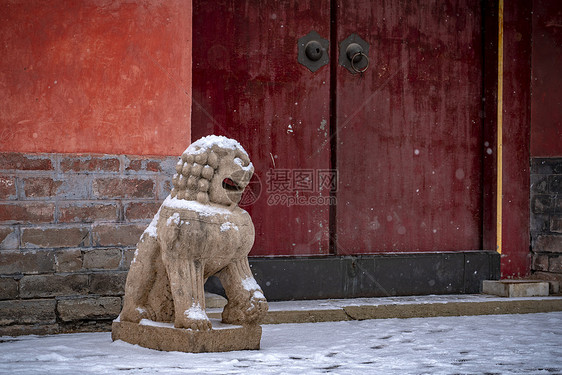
[199, 231]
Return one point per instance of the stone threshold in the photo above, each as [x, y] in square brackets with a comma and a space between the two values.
[313, 311]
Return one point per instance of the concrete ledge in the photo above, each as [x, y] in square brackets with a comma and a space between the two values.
[515, 288]
[163, 336]
[313, 311]
[307, 316]
[451, 309]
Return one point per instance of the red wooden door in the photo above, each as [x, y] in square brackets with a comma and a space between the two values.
[409, 129]
[248, 85]
[405, 136]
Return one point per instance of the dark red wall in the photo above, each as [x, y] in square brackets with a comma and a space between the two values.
[517, 46]
[95, 76]
[546, 106]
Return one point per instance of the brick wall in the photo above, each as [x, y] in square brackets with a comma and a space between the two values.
[68, 228]
[546, 218]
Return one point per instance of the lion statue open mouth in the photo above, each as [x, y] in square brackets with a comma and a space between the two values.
[198, 232]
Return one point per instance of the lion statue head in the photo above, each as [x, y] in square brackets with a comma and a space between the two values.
[214, 169]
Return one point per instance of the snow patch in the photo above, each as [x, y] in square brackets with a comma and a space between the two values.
[250, 284]
[135, 257]
[227, 226]
[240, 163]
[175, 218]
[151, 229]
[257, 294]
[195, 312]
[206, 143]
[152, 323]
[202, 209]
[443, 345]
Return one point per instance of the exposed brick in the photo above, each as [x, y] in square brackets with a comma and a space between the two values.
[117, 235]
[89, 308]
[123, 188]
[74, 326]
[541, 204]
[143, 164]
[558, 205]
[38, 286]
[555, 184]
[539, 223]
[8, 288]
[548, 276]
[8, 187]
[128, 256]
[539, 184]
[9, 238]
[23, 162]
[70, 187]
[68, 260]
[102, 259]
[108, 283]
[29, 329]
[555, 264]
[556, 224]
[546, 165]
[90, 164]
[27, 312]
[540, 262]
[27, 262]
[141, 210]
[10, 262]
[55, 237]
[134, 165]
[26, 213]
[40, 187]
[548, 243]
[78, 212]
[153, 166]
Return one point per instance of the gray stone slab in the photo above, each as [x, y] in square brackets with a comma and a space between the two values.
[515, 288]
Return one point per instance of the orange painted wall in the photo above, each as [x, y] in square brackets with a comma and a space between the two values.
[95, 76]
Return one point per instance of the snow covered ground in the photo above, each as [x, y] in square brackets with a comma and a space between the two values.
[494, 344]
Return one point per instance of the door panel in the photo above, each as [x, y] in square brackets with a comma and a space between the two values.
[407, 136]
[409, 129]
[248, 85]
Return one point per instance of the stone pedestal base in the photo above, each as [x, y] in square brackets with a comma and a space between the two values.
[163, 336]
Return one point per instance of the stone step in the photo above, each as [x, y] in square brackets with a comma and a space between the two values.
[515, 288]
[214, 301]
[402, 307]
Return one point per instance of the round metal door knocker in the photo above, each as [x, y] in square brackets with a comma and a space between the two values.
[354, 54]
[361, 55]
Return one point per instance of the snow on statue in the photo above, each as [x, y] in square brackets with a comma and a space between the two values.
[198, 232]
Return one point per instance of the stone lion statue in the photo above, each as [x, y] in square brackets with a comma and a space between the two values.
[198, 232]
